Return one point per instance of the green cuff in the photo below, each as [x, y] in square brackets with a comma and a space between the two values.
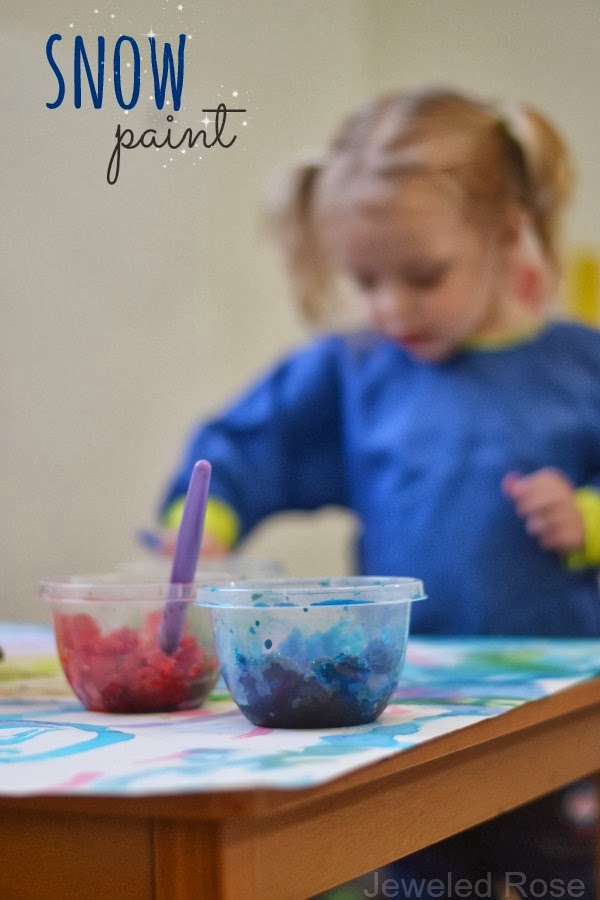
[588, 502]
[220, 521]
[171, 518]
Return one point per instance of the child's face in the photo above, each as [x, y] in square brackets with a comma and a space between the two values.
[430, 279]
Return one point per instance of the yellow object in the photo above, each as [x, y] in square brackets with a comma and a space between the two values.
[30, 667]
[221, 521]
[583, 287]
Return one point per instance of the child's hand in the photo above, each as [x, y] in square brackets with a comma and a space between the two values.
[546, 501]
[212, 547]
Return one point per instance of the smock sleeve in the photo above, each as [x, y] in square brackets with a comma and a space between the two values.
[276, 447]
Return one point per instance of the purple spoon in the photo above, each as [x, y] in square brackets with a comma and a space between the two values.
[185, 558]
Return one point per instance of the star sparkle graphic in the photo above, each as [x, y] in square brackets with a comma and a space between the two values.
[148, 41]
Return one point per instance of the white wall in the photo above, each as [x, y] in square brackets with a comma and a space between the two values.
[129, 311]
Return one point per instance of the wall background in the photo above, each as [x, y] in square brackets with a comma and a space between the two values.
[129, 311]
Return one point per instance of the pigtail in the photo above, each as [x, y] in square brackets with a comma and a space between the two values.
[290, 219]
[547, 176]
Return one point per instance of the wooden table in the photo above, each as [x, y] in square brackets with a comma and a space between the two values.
[274, 845]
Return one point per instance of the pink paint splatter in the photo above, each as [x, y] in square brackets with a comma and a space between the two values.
[168, 757]
[254, 732]
[81, 779]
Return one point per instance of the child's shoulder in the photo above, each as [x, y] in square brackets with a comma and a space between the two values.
[571, 330]
[343, 345]
[339, 356]
[573, 336]
[325, 355]
[364, 353]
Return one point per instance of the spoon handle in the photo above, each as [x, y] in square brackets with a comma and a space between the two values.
[185, 559]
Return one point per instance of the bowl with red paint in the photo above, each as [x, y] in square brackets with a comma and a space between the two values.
[107, 637]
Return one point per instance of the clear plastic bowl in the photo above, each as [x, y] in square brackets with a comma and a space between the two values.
[107, 639]
[311, 653]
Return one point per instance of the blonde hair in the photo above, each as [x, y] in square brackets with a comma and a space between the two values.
[491, 157]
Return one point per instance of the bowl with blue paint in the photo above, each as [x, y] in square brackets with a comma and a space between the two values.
[311, 653]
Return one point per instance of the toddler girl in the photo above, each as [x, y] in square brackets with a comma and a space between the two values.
[463, 426]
